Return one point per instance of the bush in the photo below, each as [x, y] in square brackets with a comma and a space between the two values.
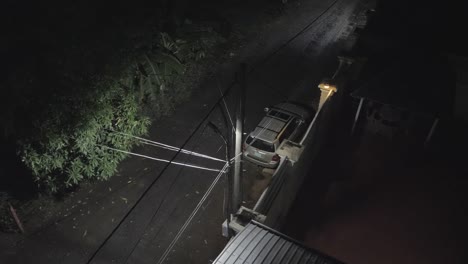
[64, 105]
[72, 131]
[68, 145]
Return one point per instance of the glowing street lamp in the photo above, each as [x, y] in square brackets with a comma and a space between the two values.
[326, 90]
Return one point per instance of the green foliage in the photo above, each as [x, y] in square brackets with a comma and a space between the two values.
[67, 140]
[154, 73]
[65, 151]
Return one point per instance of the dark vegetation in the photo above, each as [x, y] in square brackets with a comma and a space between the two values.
[75, 72]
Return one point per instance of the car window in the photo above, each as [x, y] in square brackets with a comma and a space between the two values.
[260, 144]
[279, 115]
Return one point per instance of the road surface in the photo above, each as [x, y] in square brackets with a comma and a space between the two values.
[286, 61]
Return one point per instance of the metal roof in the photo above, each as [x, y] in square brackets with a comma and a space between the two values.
[257, 243]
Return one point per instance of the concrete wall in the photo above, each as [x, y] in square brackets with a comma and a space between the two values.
[321, 134]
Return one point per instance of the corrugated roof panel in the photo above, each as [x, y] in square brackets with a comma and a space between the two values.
[266, 250]
[307, 259]
[234, 244]
[283, 252]
[259, 247]
[274, 251]
[243, 246]
[259, 244]
[296, 256]
[313, 259]
[251, 247]
[290, 255]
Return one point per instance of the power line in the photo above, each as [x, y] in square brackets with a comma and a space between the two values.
[168, 147]
[172, 184]
[159, 175]
[293, 38]
[162, 160]
[192, 215]
[196, 129]
[161, 203]
[227, 192]
[227, 110]
[231, 160]
[185, 152]
[286, 44]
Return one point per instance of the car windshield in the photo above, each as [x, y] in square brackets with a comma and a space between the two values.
[260, 144]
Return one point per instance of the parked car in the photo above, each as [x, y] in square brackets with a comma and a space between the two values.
[283, 121]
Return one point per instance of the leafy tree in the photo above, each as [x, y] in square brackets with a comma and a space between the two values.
[70, 144]
[69, 92]
[74, 128]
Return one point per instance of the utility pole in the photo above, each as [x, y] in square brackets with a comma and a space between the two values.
[240, 111]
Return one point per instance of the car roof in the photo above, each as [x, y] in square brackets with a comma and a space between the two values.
[268, 129]
[263, 134]
[270, 126]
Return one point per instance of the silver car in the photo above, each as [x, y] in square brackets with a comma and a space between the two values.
[283, 121]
